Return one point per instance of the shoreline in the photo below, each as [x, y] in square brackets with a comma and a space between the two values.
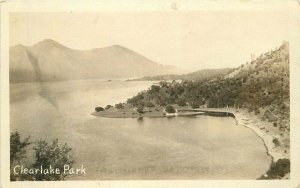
[267, 133]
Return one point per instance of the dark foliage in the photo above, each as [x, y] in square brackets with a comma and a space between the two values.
[276, 142]
[278, 169]
[140, 110]
[108, 107]
[98, 109]
[52, 154]
[119, 106]
[18, 150]
[170, 109]
[46, 154]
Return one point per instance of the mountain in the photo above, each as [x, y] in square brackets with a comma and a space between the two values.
[197, 75]
[49, 61]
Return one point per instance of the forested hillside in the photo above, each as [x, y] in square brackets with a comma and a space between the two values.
[261, 85]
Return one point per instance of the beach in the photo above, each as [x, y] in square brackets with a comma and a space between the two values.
[267, 132]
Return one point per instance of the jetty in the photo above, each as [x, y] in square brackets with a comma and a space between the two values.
[212, 111]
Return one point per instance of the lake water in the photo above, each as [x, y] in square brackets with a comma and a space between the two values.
[200, 147]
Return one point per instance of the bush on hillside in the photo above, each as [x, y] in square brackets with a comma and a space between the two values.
[170, 109]
[99, 109]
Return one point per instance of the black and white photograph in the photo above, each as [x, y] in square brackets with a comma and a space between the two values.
[176, 94]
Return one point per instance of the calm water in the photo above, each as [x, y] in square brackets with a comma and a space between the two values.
[200, 147]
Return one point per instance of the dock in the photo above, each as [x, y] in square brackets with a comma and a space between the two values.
[213, 111]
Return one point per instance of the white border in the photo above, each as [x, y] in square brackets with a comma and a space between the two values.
[290, 6]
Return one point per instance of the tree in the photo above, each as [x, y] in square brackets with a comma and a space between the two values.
[17, 147]
[140, 110]
[119, 106]
[98, 109]
[278, 169]
[181, 102]
[17, 152]
[170, 109]
[149, 104]
[54, 154]
[154, 89]
[108, 107]
[195, 105]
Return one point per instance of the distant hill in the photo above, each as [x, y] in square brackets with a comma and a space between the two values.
[48, 61]
[197, 75]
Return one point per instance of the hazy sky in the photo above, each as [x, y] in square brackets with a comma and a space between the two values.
[188, 39]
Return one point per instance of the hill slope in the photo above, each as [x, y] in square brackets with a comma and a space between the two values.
[261, 86]
[197, 75]
[49, 60]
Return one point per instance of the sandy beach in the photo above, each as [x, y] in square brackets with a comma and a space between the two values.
[267, 132]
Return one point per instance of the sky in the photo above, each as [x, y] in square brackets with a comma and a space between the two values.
[191, 40]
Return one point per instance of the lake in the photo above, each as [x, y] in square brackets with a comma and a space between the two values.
[199, 147]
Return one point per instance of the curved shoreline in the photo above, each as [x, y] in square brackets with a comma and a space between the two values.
[262, 139]
[258, 135]
[266, 132]
[263, 130]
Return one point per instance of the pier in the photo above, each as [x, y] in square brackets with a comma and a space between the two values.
[213, 111]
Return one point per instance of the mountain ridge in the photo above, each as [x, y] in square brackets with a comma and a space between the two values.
[196, 75]
[58, 62]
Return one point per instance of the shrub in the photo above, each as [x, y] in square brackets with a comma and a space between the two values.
[195, 105]
[170, 109]
[108, 107]
[181, 102]
[98, 109]
[149, 104]
[140, 110]
[257, 111]
[250, 109]
[278, 169]
[276, 142]
[119, 106]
